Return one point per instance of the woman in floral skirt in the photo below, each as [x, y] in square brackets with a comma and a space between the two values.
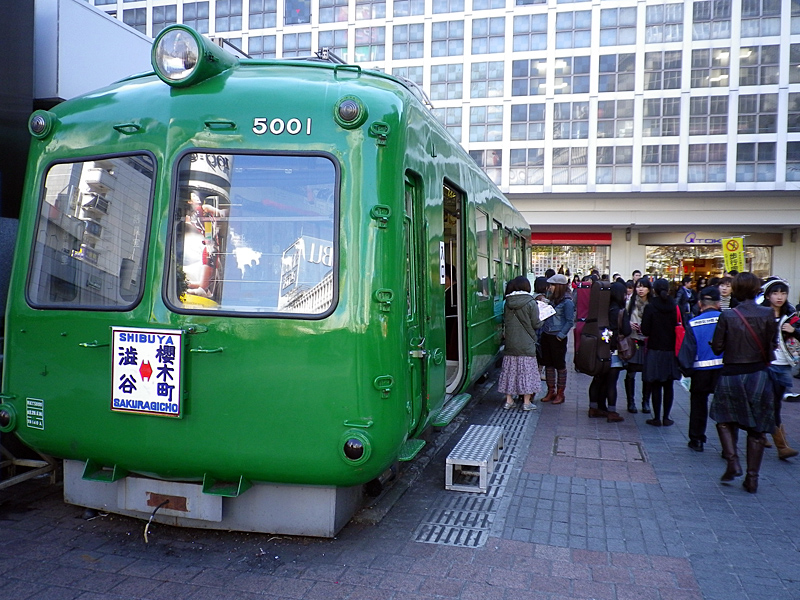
[520, 372]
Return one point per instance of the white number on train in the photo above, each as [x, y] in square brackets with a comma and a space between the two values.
[279, 126]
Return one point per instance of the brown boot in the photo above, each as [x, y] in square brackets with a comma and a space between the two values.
[559, 399]
[728, 433]
[614, 417]
[755, 452]
[550, 379]
[784, 450]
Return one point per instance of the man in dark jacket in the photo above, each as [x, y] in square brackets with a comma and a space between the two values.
[706, 368]
[686, 298]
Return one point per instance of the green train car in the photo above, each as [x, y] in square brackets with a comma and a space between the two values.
[243, 289]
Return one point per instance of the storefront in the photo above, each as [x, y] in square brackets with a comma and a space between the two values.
[699, 253]
[576, 253]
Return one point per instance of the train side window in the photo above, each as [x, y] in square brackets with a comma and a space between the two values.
[411, 244]
[255, 234]
[91, 236]
[508, 246]
[497, 258]
[481, 234]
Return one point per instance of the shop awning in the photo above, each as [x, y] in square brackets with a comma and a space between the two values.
[570, 239]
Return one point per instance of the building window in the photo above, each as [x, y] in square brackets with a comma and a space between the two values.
[297, 12]
[228, 15]
[447, 82]
[527, 122]
[708, 115]
[615, 119]
[708, 163]
[570, 120]
[614, 164]
[664, 23]
[486, 80]
[335, 40]
[370, 43]
[370, 9]
[409, 8]
[571, 75]
[795, 16]
[451, 119]
[761, 18]
[136, 18]
[755, 161]
[164, 16]
[759, 65]
[296, 44]
[263, 14]
[262, 46]
[447, 6]
[794, 113]
[660, 164]
[487, 4]
[662, 70]
[617, 73]
[486, 123]
[491, 161]
[617, 26]
[573, 29]
[793, 161]
[570, 166]
[529, 2]
[408, 41]
[711, 67]
[527, 166]
[794, 61]
[662, 117]
[758, 113]
[447, 38]
[711, 19]
[332, 11]
[530, 33]
[414, 74]
[528, 77]
[195, 15]
[488, 35]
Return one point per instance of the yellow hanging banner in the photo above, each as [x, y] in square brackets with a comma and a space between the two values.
[733, 251]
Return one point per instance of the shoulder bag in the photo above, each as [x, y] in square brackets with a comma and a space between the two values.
[626, 348]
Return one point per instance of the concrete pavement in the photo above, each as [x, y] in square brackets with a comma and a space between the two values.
[578, 508]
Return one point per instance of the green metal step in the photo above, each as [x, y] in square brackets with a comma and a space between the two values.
[450, 410]
[410, 449]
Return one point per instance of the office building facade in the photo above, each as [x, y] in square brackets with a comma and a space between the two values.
[631, 133]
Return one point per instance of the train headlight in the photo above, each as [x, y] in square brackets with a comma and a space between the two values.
[356, 447]
[41, 123]
[8, 418]
[350, 112]
[183, 57]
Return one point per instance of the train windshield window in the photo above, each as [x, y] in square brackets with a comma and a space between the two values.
[254, 234]
[92, 234]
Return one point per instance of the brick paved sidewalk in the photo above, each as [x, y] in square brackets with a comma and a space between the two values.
[588, 510]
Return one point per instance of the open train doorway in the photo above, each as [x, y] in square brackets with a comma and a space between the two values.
[453, 206]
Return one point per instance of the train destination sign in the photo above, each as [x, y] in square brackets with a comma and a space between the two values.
[146, 371]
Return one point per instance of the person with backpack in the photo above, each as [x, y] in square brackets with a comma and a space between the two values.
[554, 338]
[659, 320]
[603, 389]
[520, 372]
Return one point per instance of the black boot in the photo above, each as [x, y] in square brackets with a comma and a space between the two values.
[728, 434]
[755, 452]
[646, 398]
[630, 393]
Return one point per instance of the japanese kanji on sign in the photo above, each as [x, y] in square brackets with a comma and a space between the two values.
[733, 252]
[146, 372]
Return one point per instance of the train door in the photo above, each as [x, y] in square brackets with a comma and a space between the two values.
[416, 324]
[453, 287]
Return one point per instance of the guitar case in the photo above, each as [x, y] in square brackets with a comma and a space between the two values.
[593, 352]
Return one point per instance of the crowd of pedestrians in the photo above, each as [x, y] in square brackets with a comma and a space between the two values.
[733, 341]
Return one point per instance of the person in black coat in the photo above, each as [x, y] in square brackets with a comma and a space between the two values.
[659, 320]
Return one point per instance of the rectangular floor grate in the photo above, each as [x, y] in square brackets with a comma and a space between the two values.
[613, 450]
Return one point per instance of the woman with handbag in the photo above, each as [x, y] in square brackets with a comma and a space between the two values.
[746, 337]
[520, 371]
[659, 321]
[642, 292]
[603, 389]
[776, 294]
[554, 338]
